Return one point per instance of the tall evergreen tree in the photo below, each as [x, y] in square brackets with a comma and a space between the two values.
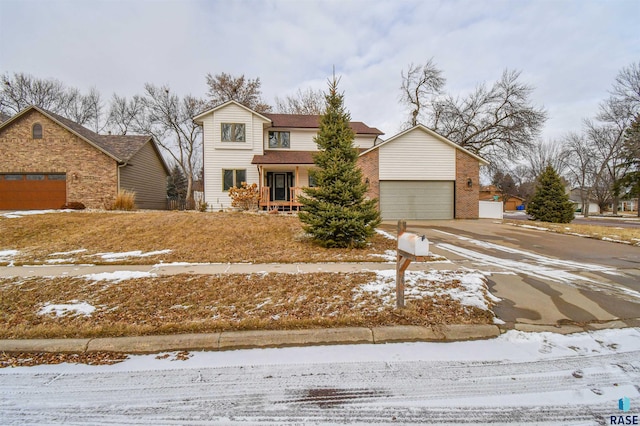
[177, 184]
[335, 211]
[550, 203]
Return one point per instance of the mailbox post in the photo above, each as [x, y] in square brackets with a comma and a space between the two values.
[411, 247]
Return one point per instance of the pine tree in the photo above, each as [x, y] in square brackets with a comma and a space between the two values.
[335, 212]
[177, 184]
[550, 203]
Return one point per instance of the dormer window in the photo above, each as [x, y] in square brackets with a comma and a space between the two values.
[279, 139]
[233, 132]
[36, 131]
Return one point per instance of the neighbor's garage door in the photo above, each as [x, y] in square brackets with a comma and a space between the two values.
[32, 191]
[416, 199]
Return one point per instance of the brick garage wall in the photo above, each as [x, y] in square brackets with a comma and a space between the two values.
[91, 174]
[369, 165]
[467, 199]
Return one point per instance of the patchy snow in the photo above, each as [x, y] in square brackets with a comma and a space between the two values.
[539, 228]
[19, 214]
[73, 308]
[118, 276]
[386, 234]
[7, 255]
[111, 257]
[64, 260]
[389, 255]
[471, 291]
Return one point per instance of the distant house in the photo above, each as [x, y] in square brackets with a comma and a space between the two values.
[47, 160]
[576, 198]
[416, 174]
[491, 193]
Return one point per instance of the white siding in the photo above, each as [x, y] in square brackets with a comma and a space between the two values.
[302, 139]
[364, 141]
[417, 155]
[219, 155]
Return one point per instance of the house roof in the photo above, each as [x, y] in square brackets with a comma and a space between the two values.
[300, 121]
[291, 121]
[119, 147]
[284, 157]
[432, 133]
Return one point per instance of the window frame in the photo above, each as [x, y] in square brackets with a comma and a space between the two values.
[40, 133]
[235, 176]
[233, 132]
[281, 143]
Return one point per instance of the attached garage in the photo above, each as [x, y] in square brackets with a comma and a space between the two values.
[31, 191]
[416, 200]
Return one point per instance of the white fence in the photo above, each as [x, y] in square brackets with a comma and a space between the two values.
[491, 210]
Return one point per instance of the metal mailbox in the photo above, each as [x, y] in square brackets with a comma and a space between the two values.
[416, 245]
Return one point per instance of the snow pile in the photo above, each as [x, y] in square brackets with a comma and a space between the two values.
[469, 288]
[74, 308]
[118, 276]
[7, 255]
[112, 257]
[385, 234]
[19, 214]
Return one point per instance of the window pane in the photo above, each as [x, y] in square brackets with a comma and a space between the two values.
[37, 131]
[226, 132]
[35, 177]
[227, 180]
[57, 177]
[284, 136]
[273, 139]
[13, 177]
[241, 176]
[239, 133]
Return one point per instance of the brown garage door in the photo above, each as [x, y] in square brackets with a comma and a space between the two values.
[32, 191]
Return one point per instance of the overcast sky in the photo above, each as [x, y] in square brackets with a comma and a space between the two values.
[570, 51]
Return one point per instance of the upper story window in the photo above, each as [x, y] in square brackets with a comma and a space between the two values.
[36, 131]
[233, 132]
[279, 139]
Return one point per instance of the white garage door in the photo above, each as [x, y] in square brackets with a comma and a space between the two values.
[416, 199]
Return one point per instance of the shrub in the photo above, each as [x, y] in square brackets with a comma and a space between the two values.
[74, 205]
[126, 200]
[245, 197]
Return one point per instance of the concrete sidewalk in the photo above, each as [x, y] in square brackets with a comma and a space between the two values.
[214, 268]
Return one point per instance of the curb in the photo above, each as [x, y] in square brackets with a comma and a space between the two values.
[232, 340]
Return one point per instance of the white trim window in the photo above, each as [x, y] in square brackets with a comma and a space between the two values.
[233, 177]
[279, 139]
[232, 132]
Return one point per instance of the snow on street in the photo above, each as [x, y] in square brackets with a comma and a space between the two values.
[518, 378]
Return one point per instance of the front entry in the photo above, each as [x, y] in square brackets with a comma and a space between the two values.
[280, 184]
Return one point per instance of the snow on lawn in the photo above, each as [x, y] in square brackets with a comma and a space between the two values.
[74, 308]
[19, 214]
[65, 253]
[7, 255]
[469, 288]
[386, 234]
[118, 276]
[112, 257]
[389, 255]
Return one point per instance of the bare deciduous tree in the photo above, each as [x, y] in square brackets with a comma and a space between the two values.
[579, 165]
[308, 102]
[420, 84]
[224, 87]
[124, 115]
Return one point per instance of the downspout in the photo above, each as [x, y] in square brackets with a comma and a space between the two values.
[120, 165]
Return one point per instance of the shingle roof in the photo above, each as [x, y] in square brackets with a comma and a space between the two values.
[284, 157]
[121, 147]
[3, 117]
[300, 121]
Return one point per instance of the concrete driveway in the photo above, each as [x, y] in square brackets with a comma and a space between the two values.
[546, 281]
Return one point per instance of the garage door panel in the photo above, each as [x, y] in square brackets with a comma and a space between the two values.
[32, 191]
[416, 199]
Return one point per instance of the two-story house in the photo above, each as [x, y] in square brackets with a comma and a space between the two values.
[416, 174]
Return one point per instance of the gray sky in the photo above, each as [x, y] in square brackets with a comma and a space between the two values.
[570, 51]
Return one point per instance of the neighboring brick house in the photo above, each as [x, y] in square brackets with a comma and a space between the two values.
[47, 160]
[491, 193]
[416, 174]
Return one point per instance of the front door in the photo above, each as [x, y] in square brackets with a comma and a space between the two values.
[280, 186]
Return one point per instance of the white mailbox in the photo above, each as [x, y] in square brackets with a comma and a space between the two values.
[413, 244]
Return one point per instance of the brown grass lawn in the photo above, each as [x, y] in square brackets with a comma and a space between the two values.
[191, 237]
[209, 303]
[609, 233]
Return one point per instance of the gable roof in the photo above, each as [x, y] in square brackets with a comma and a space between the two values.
[294, 121]
[431, 133]
[119, 147]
